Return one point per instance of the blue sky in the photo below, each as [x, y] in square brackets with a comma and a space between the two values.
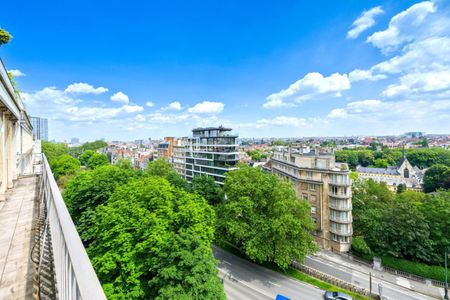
[116, 70]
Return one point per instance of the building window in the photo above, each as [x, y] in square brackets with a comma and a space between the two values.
[309, 174]
[406, 173]
[335, 237]
[314, 220]
[313, 209]
[305, 197]
[312, 187]
[313, 198]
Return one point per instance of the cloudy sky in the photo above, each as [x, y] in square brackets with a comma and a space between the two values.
[267, 69]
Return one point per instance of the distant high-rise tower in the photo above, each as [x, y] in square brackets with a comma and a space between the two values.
[40, 128]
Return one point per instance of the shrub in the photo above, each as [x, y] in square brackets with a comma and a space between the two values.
[423, 270]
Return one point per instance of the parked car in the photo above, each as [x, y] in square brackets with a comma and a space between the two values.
[329, 295]
[281, 297]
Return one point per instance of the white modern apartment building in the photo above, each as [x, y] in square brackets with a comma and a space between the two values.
[211, 151]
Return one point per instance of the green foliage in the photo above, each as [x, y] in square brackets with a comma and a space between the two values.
[159, 167]
[84, 157]
[278, 143]
[427, 271]
[359, 245]
[94, 146]
[124, 163]
[436, 209]
[401, 188]
[162, 168]
[422, 158]
[5, 37]
[257, 155]
[381, 163]
[409, 225]
[53, 150]
[206, 186]
[152, 241]
[89, 189]
[96, 160]
[436, 177]
[263, 217]
[13, 82]
[65, 165]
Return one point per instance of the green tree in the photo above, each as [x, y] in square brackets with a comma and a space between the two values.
[436, 177]
[262, 216]
[152, 241]
[53, 150]
[206, 186]
[401, 188]
[5, 37]
[436, 209]
[96, 160]
[159, 167]
[85, 156]
[124, 163]
[89, 189]
[360, 246]
[65, 165]
[278, 143]
[381, 163]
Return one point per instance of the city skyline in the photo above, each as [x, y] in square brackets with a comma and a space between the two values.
[372, 68]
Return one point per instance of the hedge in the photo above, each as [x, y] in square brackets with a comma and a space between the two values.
[423, 270]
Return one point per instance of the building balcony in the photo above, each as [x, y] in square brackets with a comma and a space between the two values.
[348, 220]
[340, 183]
[340, 195]
[340, 207]
[342, 232]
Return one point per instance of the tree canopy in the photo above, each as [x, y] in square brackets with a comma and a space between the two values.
[96, 160]
[410, 225]
[64, 165]
[206, 186]
[152, 241]
[436, 177]
[262, 216]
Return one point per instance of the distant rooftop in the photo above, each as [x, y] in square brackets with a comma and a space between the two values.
[220, 128]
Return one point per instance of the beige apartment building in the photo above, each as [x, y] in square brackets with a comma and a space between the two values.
[327, 186]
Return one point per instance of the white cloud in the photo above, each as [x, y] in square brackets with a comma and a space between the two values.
[58, 105]
[120, 97]
[358, 75]
[363, 105]
[337, 113]
[313, 85]
[364, 22]
[207, 107]
[84, 88]
[172, 106]
[149, 104]
[139, 118]
[284, 120]
[403, 27]
[16, 73]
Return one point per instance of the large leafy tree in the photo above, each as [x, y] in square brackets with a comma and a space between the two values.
[96, 160]
[84, 157]
[64, 165]
[436, 209]
[436, 177]
[163, 168]
[208, 188]
[152, 241]
[53, 150]
[263, 216]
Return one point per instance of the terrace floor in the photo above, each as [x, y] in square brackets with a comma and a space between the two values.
[17, 212]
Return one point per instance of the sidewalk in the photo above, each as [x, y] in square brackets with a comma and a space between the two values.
[337, 261]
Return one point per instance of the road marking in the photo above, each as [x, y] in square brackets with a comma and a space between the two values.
[225, 262]
[272, 283]
[231, 278]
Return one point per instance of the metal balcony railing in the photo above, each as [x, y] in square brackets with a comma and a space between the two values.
[74, 275]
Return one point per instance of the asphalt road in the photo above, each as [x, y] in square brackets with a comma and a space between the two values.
[361, 279]
[244, 280]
